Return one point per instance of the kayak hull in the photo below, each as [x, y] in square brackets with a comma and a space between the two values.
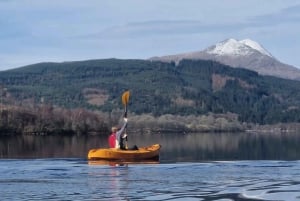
[143, 153]
[123, 162]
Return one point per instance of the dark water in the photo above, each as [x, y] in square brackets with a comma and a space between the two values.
[175, 147]
[192, 167]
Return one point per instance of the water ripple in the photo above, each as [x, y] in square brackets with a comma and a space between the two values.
[76, 180]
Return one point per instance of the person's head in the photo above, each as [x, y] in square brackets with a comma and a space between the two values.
[114, 129]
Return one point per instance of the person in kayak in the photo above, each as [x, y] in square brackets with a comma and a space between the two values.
[115, 140]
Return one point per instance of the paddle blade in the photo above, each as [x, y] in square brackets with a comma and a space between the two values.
[125, 98]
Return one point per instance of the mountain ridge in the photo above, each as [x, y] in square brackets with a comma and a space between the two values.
[243, 54]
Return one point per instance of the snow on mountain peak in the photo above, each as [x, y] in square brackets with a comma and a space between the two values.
[255, 46]
[235, 47]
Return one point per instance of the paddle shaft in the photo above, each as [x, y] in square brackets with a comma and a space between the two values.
[125, 100]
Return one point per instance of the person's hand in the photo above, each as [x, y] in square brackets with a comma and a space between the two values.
[125, 119]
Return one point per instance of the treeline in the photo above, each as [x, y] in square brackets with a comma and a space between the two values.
[185, 124]
[190, 88]
[49, 120]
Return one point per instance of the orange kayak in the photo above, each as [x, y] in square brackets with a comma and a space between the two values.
[143, 153]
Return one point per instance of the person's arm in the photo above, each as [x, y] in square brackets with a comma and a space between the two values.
[119, 132]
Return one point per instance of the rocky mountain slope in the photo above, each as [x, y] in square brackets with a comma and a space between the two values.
[244, 54]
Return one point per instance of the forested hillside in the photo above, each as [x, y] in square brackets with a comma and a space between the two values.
[157, 88]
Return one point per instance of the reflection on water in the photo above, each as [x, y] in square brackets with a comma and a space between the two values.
[46, 146]
[121, 162]
[175, 147]
[211, 179]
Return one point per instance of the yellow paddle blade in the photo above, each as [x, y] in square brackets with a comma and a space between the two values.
[125, 97]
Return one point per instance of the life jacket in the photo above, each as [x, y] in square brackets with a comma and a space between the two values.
[112, 140]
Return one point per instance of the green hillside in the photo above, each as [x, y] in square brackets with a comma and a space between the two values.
[189, 88]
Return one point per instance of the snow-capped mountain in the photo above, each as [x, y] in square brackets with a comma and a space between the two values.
[240, 53]
[237, 48]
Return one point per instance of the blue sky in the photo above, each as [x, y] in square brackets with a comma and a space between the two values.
[35, 31]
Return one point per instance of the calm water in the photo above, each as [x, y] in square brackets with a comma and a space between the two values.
[192, 167]
[65, 179]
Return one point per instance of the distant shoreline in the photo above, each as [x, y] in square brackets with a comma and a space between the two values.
[270, 129]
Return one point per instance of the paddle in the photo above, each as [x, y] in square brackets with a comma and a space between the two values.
[125, 100]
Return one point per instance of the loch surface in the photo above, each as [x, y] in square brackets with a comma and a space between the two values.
[208, 167]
